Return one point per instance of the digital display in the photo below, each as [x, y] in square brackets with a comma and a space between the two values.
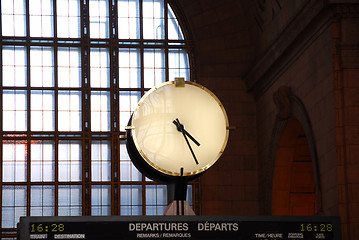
[180, 227]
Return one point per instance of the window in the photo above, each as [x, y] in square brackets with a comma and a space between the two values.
[72, 72]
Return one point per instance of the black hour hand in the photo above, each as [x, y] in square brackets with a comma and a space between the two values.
[180, 128]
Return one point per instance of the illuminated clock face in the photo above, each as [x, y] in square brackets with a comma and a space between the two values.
[178, 128]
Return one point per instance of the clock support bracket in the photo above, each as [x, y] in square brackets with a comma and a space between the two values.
[177, 193]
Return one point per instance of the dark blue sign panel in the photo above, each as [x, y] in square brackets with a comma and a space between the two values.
[180, 227]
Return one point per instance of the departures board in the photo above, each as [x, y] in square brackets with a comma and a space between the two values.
[180, 227]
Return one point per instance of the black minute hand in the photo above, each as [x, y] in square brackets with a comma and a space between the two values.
[180, 128]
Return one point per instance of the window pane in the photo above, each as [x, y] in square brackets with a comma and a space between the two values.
[153, 19]
[100, 111]
[189, 195]
[154, 67]
[14, 66]
[42, 161]
[156, 199]
[15, 110]
[41, 18]
[174, 30]
[42, 69]
[69, 111]
[70, 161]
[13, 14]
[101, 161]
[128, 103]
[101, 200]
[14, 161]
[70, 200]
[42, 201]
[69, 67]
[13, 205]
[100, 68]
[128, 19]
[129, 62]
[42, 111]
[128, 172]
[156, 194]
[68, 19]
[99, 19]
[178, 64]
[131, 200]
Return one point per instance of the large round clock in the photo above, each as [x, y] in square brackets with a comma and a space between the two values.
[178, 129]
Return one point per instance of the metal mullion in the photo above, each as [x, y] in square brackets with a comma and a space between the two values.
[100, 89]
[86, 178]
[114, 207]
[86, 153]
[14, 88]
[56, 89]
[27, 20]
[113, 19]
[116, 197]
[178, 46]
[166, 41]
[114, 76]
[86, 92]
[165, 6]
[100, 45]
[54, 5]
[28, 161]
[85, 104]
[142, 71]
[28, 180]
[74, 137]
[83, 176]
[56, 177]
[167, 72]
[133, 89]
[131, 183]
[10, 43]
[84, 19]
[141, 19]
[141, 48]
[146, 46]
[144, 184]
[55, 49]
[125, 43]
[68, 44]
[69, 89]
[115, 110]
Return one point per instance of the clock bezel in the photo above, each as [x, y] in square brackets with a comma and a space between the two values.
[161, 172]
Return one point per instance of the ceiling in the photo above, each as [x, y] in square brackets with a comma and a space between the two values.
[231, 37]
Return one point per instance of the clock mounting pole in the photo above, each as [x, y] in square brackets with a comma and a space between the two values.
[177, 193]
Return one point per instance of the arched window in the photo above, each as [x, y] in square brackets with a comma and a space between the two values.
[72, 73]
